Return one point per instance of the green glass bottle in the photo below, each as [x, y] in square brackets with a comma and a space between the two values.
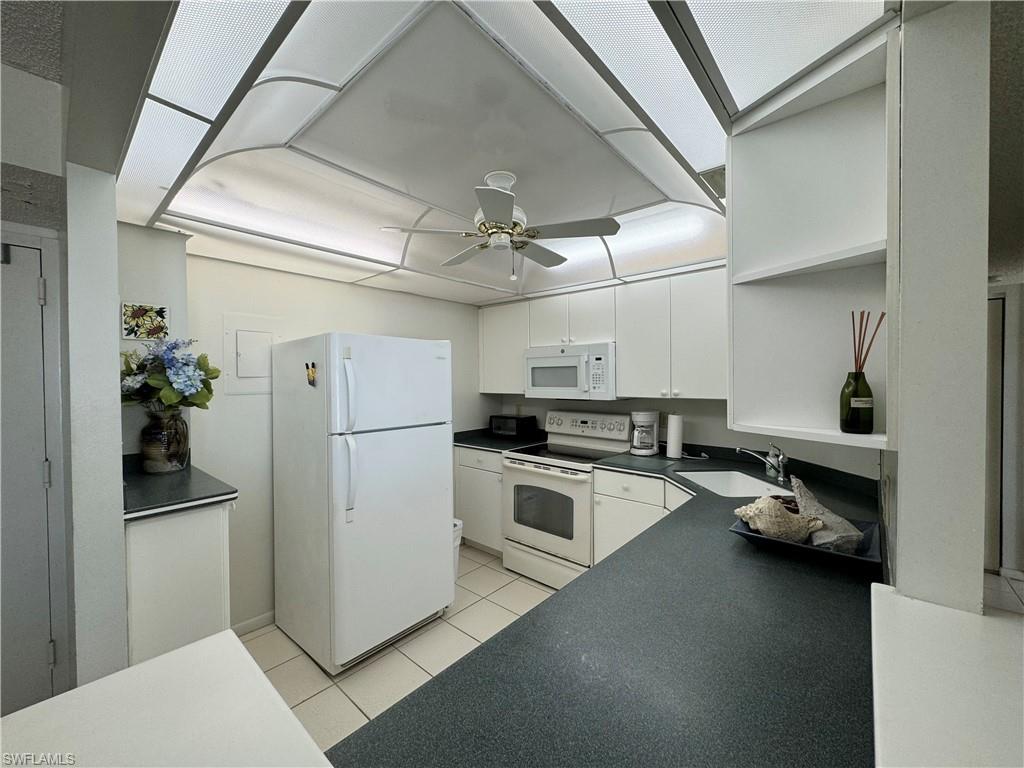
[856, 405]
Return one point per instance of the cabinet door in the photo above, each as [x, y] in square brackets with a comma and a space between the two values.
[642, 348]
[617, 521]
[549, 321]
[478, 505]
[700, 334]
[504, 337]
[592, 316]
[177, 569]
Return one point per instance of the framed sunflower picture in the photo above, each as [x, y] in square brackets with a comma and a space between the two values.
[143, 321]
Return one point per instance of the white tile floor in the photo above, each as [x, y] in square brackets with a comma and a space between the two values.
[487, 599]
[1003, 593]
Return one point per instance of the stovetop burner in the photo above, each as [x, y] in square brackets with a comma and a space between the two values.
[566, 453]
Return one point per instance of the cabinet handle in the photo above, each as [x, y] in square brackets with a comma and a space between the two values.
[675, 393]
[563, 339]
[572, 338]
[625, 487]
[664, 393]
[597, 501]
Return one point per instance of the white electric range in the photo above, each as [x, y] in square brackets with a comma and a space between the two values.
[547, 496]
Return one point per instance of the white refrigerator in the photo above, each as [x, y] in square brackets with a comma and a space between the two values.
[363, 502]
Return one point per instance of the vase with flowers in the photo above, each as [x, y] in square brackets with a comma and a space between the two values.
[856, 401]
[164, 379]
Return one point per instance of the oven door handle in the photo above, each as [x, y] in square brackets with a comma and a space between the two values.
[579, 477]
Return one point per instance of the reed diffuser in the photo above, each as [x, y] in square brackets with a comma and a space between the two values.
[856, 403]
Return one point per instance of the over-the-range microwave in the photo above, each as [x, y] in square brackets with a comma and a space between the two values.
[571, 372]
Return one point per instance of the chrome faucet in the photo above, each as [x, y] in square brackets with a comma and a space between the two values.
[774, 462]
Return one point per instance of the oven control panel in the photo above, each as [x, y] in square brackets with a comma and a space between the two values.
[607, 425]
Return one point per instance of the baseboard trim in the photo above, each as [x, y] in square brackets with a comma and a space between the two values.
[256, 622]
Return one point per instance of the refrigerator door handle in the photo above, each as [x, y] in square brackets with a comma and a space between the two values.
[353, 474]
[350, 387]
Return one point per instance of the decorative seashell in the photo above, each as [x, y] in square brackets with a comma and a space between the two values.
[768, 516]
[837, 533]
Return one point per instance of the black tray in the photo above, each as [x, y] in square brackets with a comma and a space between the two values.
[869, 550]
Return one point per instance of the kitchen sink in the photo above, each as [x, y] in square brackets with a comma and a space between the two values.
[735, 484]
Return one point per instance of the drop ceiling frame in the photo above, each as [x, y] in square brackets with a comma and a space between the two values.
[583, 48]
[684, 32]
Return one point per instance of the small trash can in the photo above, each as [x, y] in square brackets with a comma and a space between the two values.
[456, 540]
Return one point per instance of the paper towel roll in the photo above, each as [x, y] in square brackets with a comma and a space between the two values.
[674, 436]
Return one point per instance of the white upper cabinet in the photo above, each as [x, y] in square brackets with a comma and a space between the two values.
[549, 321]
[592, 316]
[700, 334]
[504, 337]
[642, 339]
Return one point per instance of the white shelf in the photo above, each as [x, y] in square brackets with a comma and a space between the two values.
[876, 440]
[857, 256]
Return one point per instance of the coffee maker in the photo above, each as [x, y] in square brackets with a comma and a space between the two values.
[644, 440]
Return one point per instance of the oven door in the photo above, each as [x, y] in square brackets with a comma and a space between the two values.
[548, 508]
[557, 375]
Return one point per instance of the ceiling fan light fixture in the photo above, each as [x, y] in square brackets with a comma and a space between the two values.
[501, 241]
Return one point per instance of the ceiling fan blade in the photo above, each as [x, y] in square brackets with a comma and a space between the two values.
[581, 228]
[542, 255]
[416, 231]
[496, 204]
[465, 255]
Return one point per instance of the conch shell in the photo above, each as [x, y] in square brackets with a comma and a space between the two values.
[768, 516]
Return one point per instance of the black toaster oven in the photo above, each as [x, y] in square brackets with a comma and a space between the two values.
[514, 426]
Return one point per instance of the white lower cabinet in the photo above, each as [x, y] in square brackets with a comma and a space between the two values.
[618, 521]
[177, 579]
[478, 505]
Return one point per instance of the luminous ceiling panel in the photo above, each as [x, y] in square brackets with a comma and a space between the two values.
[282, 193]
[268, 115]
[759, 45]
[208, 49]
[667, 235]
[227, 245]
[163, 141]
[654, 161]
[333, 40]
[529, 34]
[586, 262]
[435, 287]
[631, 42]
[445, 106]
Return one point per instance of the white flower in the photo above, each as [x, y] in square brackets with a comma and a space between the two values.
[133, 382]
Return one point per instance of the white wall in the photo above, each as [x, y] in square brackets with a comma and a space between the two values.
[233, 439]
[704, 424]
[151, 270]
[101, 628]
[33, 121]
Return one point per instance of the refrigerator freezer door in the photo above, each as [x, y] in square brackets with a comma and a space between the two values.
[384, 382]
[391, 547]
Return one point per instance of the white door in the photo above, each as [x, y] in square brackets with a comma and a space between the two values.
[504, 337]
[23, 526]
[549, 321]
[478, 505]
[592, 316]
[391, 534]
[700, 334]
[384, 382]
[619, 521]
[642, 347]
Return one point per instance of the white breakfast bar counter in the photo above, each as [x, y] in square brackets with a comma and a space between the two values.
[204, 704]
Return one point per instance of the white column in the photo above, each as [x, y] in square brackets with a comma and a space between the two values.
[943, 281]
[95, 425]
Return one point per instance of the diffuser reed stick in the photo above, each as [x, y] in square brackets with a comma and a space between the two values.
[859, 328]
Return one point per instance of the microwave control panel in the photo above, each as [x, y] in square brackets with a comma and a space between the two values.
[609, 425]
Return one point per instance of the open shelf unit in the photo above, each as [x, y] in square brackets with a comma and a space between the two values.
[810, 239]
[857, 256]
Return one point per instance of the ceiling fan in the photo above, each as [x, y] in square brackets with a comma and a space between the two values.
[502, 226]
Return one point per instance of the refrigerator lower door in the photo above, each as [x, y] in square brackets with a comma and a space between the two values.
[385, 382]
[391, 528]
